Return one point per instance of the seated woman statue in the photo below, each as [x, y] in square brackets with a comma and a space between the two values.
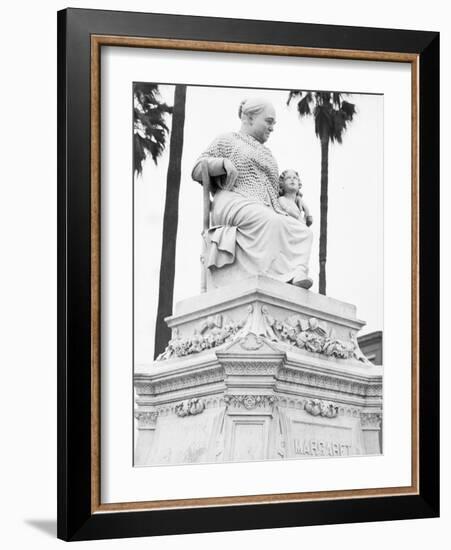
[250, 231]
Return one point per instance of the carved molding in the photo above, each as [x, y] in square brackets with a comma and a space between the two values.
[284, 374]
[144, 389]
[374, 390]
[167, 409]
[146, 419]
[284, 401]
[318, 407]
[183, 380]
[190, 407]
[251, 368]
[348, 411]
[249, 401]
[371, 420]
[329, 382]
[307, 334]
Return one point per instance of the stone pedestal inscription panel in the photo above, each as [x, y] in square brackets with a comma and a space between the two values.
[248, 438]
[185, 440]
[310, 437]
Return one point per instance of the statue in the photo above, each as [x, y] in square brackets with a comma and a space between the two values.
[250, 232]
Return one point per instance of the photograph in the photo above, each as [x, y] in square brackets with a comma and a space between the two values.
[257, 273]
[225, 233]
[247, 274]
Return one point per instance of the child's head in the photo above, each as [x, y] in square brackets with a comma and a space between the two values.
[289, 181]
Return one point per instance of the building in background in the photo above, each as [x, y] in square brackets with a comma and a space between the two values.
[371, 346]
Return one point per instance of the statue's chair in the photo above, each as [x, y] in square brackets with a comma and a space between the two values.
[206, 190]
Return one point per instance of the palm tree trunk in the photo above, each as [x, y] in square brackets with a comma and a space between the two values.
[170, 222]
[323, 213]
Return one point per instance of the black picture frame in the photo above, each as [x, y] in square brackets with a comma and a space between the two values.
[76, 518]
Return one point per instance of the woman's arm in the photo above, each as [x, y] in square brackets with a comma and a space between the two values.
[217, 156]
[218, 150]
[215, 168]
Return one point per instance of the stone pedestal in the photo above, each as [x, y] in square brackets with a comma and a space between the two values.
[258, 370]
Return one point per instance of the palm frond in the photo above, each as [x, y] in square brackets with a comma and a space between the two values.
[336, 99]
[304, 105]
[330, 111]
[348, 109]
[293, 94]
[149, 123]
[338, 126]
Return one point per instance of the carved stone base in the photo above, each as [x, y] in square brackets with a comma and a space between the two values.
[262, 370]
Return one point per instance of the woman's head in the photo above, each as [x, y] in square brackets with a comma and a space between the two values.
[258, 118]
[289, 182]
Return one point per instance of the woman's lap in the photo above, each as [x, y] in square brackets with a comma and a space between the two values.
[266, 242]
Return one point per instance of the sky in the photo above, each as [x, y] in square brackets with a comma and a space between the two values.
[355, 215]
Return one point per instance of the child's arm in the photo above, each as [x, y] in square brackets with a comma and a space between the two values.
[303, 206]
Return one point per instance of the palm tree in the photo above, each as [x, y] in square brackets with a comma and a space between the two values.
[170, 221]
[149, 138]
[331, 115]
[149, 125]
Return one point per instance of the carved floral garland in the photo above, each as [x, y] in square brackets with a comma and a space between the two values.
[190, 407]
[318, 407]
[214, 334]
[311, 335]
[307, 334]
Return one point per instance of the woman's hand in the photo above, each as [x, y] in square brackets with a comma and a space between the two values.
[231, 174]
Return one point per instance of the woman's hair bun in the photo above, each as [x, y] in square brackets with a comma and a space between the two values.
[252, 106]
[240, 109]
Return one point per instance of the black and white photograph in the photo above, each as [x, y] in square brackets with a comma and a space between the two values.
[257, 273]
[224, 285]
